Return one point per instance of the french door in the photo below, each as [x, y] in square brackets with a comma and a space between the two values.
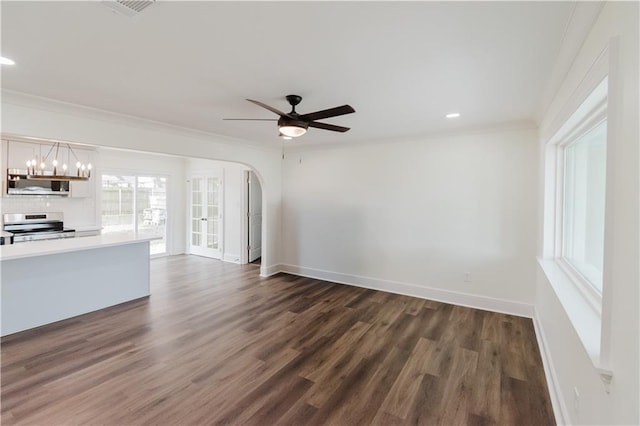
[205, 233]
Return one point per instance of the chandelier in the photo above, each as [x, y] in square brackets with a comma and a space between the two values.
[40, 168]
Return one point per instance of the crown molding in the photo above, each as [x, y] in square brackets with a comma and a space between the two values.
[22, 99]
[510, 126]
[56, 106]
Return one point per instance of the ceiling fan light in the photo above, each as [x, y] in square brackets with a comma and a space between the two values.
[292, 126]
[292, 131]
[6, 61]
[285, 137]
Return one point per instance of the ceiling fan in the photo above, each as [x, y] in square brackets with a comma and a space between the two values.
[292, 124]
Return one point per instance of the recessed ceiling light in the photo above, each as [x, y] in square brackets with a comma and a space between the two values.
[6, 61]
[453, 115]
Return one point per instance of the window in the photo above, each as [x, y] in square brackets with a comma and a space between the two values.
[136, 204]
[584, 203]
[575, 194]
[579, 138]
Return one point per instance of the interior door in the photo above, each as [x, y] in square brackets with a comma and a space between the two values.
[255, 217]
[205, 216]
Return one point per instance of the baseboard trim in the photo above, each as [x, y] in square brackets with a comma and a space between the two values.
[233, 258]
[553, 384]
[445, 296]
[267, 271]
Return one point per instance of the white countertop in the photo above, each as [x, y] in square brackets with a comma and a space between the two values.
[85, 228]
[66, 245]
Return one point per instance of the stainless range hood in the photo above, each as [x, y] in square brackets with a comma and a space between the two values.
[22, 184]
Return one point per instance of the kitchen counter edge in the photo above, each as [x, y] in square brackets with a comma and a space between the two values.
[66, 245]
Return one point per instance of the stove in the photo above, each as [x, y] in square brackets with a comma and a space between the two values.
[36, 226]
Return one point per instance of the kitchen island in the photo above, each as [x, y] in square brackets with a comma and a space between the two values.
[48, 281]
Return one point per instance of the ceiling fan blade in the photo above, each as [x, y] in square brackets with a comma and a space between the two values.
[250, 119]
[270, 108]
[325, 126]
[328, 113]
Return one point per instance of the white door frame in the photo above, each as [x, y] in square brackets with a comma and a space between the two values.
[204, 251]
[244, 220]
[255, 238]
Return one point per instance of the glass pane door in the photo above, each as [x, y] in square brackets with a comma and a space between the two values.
[196, 211]
[151, 210]
[136, 204]
[118, 203]
[213, 216]
[206, 216]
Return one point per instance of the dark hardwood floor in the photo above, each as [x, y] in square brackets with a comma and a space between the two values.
[216, 344]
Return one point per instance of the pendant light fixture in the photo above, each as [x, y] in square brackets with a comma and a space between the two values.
[37, 168]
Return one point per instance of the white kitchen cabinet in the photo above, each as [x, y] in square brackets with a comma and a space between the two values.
[83, 275]
[84, 189]
[18, 153]
[81, 189]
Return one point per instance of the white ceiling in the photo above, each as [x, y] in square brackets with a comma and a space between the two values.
[401, 65]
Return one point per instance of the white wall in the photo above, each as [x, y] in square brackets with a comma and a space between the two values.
[572, 366]
[416, 216]
[28, 116]
[173, 168]
[233, 181]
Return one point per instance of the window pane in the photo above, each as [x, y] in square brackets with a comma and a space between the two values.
[196, 211]
[584, 198]
[213, 226]
[151, 206]
[117, 203]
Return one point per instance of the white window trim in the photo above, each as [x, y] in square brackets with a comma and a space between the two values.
[587, 309]
[586, 290]
[590, 114]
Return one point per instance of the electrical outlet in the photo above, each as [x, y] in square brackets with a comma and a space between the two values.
[576, 400]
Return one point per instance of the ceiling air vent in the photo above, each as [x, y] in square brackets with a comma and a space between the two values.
[129, 8]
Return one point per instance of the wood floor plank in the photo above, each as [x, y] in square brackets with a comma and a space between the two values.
[400, 398]
[217, 344]
[363, 408]
[514, 364]
[298, 414]
[383, 418]
[427, 402]
[414, 305]
[457, 395]
[486, 405]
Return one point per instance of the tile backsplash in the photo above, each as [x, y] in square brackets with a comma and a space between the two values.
[78, 212]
